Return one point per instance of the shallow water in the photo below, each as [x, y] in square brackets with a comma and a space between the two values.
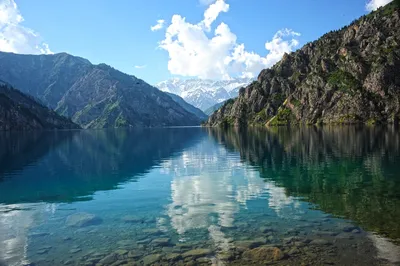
[193, 196]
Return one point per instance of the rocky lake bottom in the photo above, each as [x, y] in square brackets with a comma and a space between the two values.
[201, 197]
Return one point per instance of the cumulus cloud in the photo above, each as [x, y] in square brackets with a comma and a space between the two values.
[158, 26]
[16, 38]
[195, 50]
[212, 13]
[140, 66]
[375, 4]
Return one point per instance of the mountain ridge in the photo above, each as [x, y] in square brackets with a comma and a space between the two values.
[21, 112]
[347, 76]
[204, 93]
[188, 107]
[94, 96]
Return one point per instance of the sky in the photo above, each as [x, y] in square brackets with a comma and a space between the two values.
[159, 39]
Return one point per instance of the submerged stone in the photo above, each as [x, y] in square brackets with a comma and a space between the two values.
[173, 256]
[324, 233]
[75, 250]
[349, 228]
[82, 219]
[109, 259]
[135, 254]
[152, 231]
[266, 229]
[251, 243]
[150, 259]
[161, 242]
[264, 254]
[196, 253]
[320, 242]
[121, 252]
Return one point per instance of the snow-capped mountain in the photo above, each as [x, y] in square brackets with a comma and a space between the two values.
[203, 93]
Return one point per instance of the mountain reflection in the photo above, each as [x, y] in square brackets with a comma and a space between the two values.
[351, 172]
[72, 165]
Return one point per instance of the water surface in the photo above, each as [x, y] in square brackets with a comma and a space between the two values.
[312, 196]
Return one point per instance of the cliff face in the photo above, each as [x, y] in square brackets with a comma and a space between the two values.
[347, 76]
[93, 96]
[21, 112]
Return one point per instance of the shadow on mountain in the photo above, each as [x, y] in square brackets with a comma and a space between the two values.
[350, 172]
[72, 165]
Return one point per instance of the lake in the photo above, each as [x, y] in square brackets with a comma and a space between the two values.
[198, 196]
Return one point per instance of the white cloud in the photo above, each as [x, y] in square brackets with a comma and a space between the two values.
[375, 4]
[158, 26]
[16, 38]
[193, 52]
[140, 66]
[212, 12]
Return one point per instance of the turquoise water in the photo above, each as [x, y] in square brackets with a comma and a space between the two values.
[195, 196]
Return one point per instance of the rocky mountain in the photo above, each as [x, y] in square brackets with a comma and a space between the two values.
[94, 96]
[188, 107]
[21, 112]
[347, 76]
[203, 93]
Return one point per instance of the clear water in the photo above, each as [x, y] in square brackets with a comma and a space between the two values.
[193, 196]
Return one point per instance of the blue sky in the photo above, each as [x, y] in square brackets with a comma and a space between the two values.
[118, 32]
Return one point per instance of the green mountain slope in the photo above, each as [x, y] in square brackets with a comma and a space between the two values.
[214, 108]
[188, 107]
[94, 96]
[21, 112]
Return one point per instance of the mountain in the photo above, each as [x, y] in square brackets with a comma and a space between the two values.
[347, 76]
[94, 96]
[21, 112]
[188, 107]
[215, 107]
[204, 93]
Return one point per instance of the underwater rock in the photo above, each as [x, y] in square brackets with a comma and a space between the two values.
[143, 241]
[173, 256]
[251, 243]
[266, 229]
[344, 236]
[348, 228]
[109, 259]
[324, 233]
[152, 231]
[75, 250]
[151, 259]
[121, 252]
[293, 251]
[161, 242]
[264, 254]
[320, 242]
[134, 254]
[196, 253]
[82, 219]
[126, 243]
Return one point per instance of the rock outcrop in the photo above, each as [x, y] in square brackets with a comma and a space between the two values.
[21, 112]
[347, 76]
